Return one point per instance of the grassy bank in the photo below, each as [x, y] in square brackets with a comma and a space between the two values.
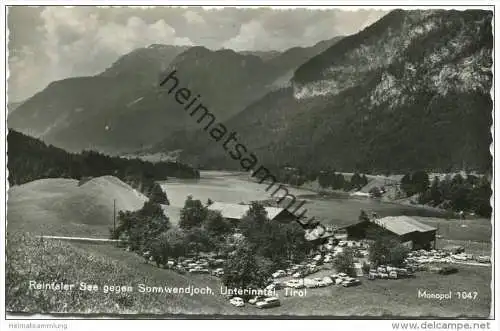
[29, 259]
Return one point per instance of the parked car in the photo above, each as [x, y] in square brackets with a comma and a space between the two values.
[338, 281]
[393, 274]
[219, 272]
[218, 262]
[237, 301]
[459, 257]
[274, 286]
[326, 281]
[312, 284]
[256, 299]
[383, 275]
[317, 257]
[455, 249]
[351, 282]
[300, 274]
[483, 259]
[279, 273]
[268, 303]
[199, 270]
[435, 269]
[295, 283]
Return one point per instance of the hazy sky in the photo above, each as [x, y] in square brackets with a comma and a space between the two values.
[51, 43]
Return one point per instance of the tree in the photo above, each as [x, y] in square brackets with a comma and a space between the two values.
[295, 246]
[375, 192]
[244, 269]
[131, 224]
[398, 254]
[323, 179]
[142, 226]
[356, 181]
[338, 181]
[420, 181]
[436, 194]
[407, 185]
[215, 224]
[198, 240]
[273, 240]
[253, 223]
[387, 250]
[157, 195]
[480, 196]
[170, 244]
[344, 262]
[363, 216]
[364, 180]
[192, 214]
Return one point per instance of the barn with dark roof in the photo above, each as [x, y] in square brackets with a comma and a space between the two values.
[235, 212]
[407, 230]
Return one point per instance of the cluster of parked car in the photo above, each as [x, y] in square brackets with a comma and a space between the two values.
[390, 272]
[444, 256]
[345, 280]
[353, 244]
[298, 270]
[332, 249]
[260, 302]
[432, 256]
[207, 265]
[334, 279]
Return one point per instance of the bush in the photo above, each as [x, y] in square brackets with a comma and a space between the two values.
[192, 214]
[366, 267]
[344, 262]
[386, 250]
[244, 269]
[157, 195]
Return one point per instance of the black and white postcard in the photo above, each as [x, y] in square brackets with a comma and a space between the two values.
[250, 162]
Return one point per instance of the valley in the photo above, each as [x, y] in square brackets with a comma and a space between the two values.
[383, 134]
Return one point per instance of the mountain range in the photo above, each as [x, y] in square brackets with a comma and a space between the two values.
[411, 91]
[122, 109]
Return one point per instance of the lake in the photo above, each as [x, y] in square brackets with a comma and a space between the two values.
[233, 187]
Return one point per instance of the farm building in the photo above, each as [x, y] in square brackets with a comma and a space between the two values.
[407, 230]
[235, 212]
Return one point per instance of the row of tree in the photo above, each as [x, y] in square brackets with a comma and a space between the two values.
[149, 229]
[267, 246]
[470, 193]
[384, 250]
[254, 248]
[328, 179]
[337, 181]
[31, 159]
